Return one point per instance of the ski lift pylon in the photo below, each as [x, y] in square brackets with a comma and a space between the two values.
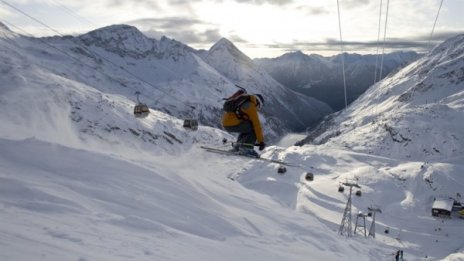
[141, 110]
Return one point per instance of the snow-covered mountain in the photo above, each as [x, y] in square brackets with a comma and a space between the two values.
[82, 179]
[417, 113]
[71, 103]
[322, 78]
[170, 76]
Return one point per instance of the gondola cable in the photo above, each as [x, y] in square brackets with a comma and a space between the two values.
[342, 53]
[434, 24]
[378, 43]
[384, 38]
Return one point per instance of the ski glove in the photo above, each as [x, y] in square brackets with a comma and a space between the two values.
[261, 145]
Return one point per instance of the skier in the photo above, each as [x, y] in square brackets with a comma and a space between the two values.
[243, 118]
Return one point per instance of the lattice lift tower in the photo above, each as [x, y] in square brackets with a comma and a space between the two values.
[346, 224]
[360, 223]
[373, 210]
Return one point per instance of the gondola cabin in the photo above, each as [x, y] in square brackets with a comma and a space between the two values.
[191, 124]
[141, 110]
[309, 176]
[341, 189]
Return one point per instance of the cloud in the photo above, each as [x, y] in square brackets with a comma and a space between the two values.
[253, 2]
[237, 39]
[419, 43]
[314, 11]
[201, 34]
[181, 29]
[183, 2]
[441, 36]
[260, 2]
[350, 4]
[143, 3]
[186, 3]
[4, 12]
[168, 23]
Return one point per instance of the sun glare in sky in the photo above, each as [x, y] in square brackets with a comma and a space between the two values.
[259, 28]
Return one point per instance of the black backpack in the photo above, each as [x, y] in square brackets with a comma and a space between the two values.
[234, 102]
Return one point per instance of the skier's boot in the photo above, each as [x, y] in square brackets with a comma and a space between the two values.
[249, 152]
[235, 148]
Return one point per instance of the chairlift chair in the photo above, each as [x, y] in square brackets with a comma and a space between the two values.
[341, 188]
[358, 193]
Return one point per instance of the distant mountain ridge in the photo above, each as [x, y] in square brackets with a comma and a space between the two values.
[322, 78]
[126, 40]
[417, 113]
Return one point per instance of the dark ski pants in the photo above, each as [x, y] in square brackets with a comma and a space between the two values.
[246, 133]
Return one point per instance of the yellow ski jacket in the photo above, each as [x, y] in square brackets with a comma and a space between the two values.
[249, 111]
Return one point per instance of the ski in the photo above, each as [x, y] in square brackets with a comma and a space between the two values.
[233, 153]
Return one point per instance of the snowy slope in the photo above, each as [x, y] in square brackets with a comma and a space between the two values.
[74, 204]
[321, 77]
[82, 179]
[403, 190]
[67, 204]
[416, 113]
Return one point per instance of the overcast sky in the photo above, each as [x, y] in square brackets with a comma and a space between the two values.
[260, 28]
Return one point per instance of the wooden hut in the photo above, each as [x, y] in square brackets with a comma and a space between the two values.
[442, 207]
